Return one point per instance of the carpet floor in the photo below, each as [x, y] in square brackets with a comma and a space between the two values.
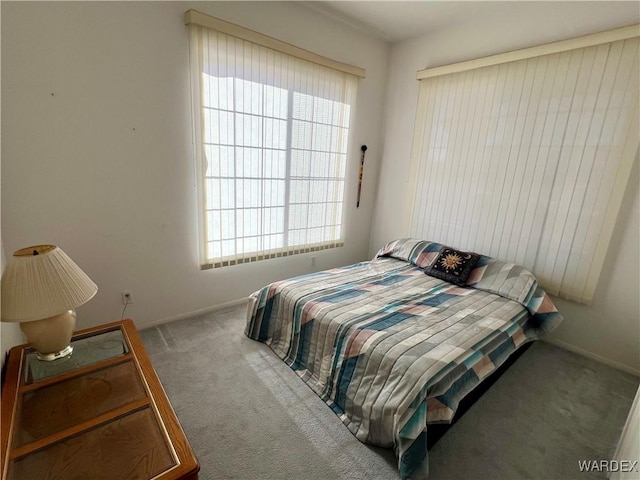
[249, 417]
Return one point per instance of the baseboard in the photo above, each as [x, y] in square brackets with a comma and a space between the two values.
[588, 354]
[214, 308]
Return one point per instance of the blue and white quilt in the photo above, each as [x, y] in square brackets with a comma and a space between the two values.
[391, 349]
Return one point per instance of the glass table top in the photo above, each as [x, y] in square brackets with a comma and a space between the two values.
[86, 351]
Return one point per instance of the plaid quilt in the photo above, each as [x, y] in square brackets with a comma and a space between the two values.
[391, 349]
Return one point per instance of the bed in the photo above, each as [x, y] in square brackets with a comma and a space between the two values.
[390, 348]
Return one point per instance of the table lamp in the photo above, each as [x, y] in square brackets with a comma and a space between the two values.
[41, 286]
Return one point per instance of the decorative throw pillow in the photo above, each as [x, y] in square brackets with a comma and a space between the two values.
[452, 265]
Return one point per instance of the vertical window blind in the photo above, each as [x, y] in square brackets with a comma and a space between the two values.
[527, 160]
[272, 135]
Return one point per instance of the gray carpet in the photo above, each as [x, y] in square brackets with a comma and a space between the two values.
[248, 416]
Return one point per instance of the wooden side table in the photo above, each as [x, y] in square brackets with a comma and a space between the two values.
[100, 413]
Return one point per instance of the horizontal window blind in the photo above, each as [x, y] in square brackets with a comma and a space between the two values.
[272, 134]
[527, 160]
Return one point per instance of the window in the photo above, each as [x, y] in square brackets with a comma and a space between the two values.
[527, 160]
[272, 133]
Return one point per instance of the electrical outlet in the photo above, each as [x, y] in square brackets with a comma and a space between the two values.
[127, 297]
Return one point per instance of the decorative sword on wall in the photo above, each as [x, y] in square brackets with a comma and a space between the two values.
[364, 149]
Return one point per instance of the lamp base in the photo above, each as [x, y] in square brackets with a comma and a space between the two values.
[47, 357]
[51, 336]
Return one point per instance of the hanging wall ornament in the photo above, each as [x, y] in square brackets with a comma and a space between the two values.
[364, 149]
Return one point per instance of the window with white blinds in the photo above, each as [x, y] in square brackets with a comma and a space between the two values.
[527, 160]
[272, 134]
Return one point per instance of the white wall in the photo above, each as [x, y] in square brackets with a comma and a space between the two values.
[608, 329]
[10, 333]
[97, 154]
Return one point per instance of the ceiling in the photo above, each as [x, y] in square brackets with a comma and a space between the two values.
[394, 21]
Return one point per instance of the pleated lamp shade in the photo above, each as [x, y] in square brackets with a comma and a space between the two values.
[40, 282]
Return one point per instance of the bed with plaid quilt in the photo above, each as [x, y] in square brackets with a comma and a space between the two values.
[391, 349]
